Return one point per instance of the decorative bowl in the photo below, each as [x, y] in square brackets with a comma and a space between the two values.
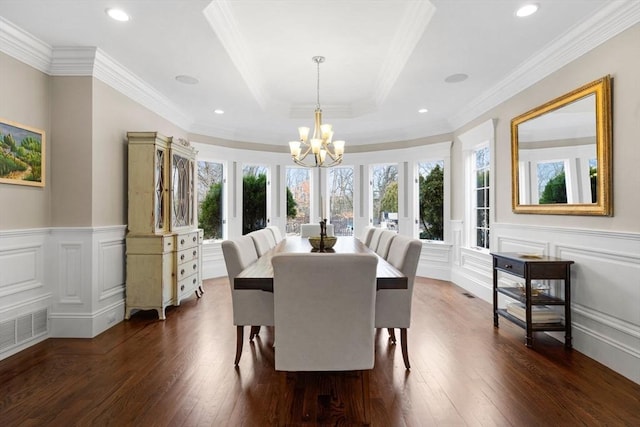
[329, 241]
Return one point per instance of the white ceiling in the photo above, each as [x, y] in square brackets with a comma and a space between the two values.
[385, 59]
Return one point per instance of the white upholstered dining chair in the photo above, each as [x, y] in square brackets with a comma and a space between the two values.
[384, 243]
[277, 235]
[324, 315]
[250, 307]
[375, 238]
[393, 306]
[366, 234]
[263, 240]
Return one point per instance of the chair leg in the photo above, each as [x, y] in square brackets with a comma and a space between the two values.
[239, 333]
[403, 343]
[366, 397]
[255, 330]
[392, 335]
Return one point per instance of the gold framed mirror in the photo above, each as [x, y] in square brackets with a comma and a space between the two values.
[561, 154]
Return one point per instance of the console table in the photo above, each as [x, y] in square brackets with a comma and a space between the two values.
[533, 267]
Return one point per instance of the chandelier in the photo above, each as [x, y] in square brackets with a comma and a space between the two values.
[320, 145]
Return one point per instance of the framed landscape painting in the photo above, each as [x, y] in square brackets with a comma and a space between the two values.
[22, 154]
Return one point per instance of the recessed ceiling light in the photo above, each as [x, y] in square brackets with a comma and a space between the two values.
[218, 111]
[189, 80]
[526, 10]
[423, 110]
[118, 15]
[456, 78]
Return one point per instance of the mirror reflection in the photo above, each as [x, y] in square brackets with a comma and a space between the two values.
[560, 154]
[557, 155]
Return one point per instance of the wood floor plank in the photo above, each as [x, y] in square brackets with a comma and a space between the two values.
[179, 372]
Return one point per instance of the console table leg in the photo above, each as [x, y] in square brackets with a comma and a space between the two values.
[567, 342]
[529, 340]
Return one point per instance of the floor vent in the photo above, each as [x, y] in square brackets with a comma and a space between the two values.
[23, 328]
[468, 295]
[7, 334]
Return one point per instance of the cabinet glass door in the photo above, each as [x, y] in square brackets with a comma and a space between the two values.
[160, 190]
[182, 203]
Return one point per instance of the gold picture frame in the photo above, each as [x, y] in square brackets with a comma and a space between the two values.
[22, 154]
[538, 133]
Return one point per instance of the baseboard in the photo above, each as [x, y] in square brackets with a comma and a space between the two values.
[86, 325]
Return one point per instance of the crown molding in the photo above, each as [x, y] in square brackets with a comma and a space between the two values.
[330, 111]
[24, 47]
[124, 81]
[73, 61]
[611, 20]
[86, 61]
[224, 25]
[417, 16]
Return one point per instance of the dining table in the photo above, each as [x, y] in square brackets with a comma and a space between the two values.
[259, 275]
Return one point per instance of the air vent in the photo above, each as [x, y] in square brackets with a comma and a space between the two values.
[22, 328]
[7, 334]
[40, 322]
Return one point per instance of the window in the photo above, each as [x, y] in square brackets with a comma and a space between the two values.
[431, 200]
[552, 186]
[210, 199]
[298, 199]
[384, 196]
[481, 163]
[341, 200]
[254, 198]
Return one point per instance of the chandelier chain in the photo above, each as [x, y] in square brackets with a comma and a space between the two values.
[325, 152]
[318, 60]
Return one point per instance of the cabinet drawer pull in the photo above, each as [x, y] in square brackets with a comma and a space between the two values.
[182, 272]
[182, 241]
[182, 257]
[194, 253]
[194, 238]
[182, 288]
[195, 266]
[508, 266]
[194, 281]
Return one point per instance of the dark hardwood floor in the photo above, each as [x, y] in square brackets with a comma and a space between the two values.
[180, 371]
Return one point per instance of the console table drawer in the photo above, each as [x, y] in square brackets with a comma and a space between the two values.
[510, 266]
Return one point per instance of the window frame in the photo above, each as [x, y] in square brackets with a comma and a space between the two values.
[370, 209]
[225, 195]
[482, 136]
[445, 197]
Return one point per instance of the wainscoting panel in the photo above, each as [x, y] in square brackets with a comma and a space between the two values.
[435, 261]
[88, 280]
[111, 268]
[605, 285]
[70, 271]
[473, 272]
[213, 260]
[25, 296]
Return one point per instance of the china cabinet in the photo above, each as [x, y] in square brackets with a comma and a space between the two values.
[163, 241]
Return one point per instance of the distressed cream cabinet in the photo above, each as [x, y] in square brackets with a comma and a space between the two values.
[163, 242]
